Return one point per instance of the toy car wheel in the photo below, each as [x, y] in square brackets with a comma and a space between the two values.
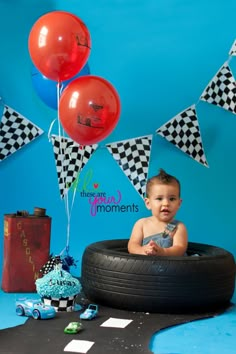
[36, 314]
[20, 310]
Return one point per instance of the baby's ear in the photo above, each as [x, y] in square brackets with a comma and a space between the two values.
[147, 203]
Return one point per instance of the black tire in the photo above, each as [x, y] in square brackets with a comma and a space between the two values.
[112, 277]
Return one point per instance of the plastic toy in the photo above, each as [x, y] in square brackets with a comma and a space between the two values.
[73, 328]
[34, 308]
[90, 313]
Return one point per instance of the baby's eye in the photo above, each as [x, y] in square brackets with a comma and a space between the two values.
[159, 198]
[172, 199]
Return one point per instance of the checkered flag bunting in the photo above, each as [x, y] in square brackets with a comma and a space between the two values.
[15, 132]
[232, 51]
[133, 158]
[183, 132]
[221, 91]
[70, 159]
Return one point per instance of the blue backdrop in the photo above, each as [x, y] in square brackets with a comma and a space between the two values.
[159, 55]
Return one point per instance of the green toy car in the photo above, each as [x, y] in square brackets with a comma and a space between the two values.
[73, 328]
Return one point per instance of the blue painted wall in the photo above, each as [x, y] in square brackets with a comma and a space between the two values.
[159, 55]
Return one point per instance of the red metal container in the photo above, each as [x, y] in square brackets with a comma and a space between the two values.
[26, 250]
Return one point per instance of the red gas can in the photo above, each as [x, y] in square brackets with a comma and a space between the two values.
[26, 250]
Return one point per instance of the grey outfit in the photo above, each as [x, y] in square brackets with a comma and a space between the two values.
[163, 239]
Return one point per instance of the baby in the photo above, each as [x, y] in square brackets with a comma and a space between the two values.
[160, 234]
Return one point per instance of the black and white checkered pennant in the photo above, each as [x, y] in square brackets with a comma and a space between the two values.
[133, 158]
[221, 90]
[50, 264]
[15, 132]
[183, 132]
[70, 159]
[232, 51]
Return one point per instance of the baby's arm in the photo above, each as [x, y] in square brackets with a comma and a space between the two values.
[136, 240]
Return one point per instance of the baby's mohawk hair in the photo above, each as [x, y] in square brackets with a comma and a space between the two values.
[161, 177]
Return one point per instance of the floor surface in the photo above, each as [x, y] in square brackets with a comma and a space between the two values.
[208, 336]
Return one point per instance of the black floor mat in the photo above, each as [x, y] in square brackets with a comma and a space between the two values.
[47, 336]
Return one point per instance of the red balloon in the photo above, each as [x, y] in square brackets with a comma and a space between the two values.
[89, 109]
[59, 45]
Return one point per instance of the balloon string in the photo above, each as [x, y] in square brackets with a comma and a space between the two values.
[58, 118]
[68, 208]
[50, 129]
[62, 153]
[68, 213]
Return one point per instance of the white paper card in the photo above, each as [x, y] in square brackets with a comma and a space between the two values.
[116, 323]
[78, 346]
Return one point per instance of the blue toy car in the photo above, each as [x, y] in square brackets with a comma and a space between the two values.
[34, 308]
[90, 313]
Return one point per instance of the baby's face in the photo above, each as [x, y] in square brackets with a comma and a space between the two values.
[164, 201]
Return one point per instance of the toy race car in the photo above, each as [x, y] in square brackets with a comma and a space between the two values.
[90, 313]
[34, 308]
[73, 327]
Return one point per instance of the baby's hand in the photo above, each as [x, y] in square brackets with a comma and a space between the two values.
[153, 249]
[147, 249]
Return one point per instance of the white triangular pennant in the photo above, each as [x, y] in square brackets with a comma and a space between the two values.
[133, 158]
[70, 159]
[183, 131]
[221, 90]
[232, 51]
[16, 131]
